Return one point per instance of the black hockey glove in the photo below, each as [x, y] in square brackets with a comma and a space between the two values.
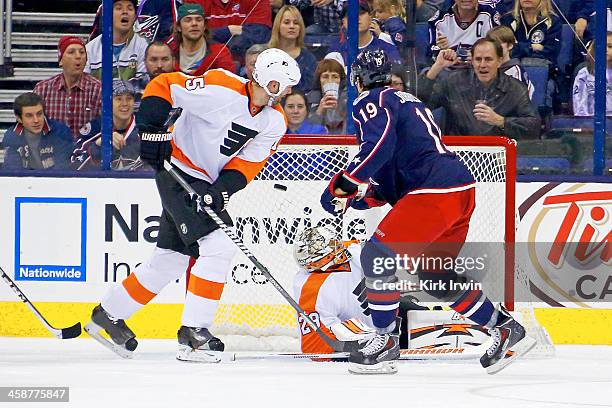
[218, 194]
[155, 148]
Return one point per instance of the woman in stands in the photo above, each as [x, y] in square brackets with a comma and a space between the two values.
[584, 84]
[288, 35]
[296, 109]
[327, 100]
[537, 30]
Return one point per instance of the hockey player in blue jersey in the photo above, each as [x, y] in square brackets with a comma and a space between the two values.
[403, 161]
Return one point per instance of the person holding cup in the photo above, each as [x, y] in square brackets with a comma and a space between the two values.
[478, 100]
[327, 100]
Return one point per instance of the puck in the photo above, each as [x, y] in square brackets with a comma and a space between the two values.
[280, 187]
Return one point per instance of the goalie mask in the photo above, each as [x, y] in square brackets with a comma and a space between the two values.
[318, 249]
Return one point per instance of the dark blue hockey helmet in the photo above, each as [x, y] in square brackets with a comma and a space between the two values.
[372, 68]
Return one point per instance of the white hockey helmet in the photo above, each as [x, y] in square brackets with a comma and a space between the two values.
[317, 249]
[276, 65]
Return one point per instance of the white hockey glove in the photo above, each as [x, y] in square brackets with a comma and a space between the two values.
[352, 330]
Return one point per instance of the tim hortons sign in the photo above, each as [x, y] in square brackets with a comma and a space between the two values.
[564, 244]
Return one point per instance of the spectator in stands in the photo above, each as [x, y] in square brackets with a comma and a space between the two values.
[128, 47]
[126, 142]
[154, 20]
[325, 14]
[426, 9]
[537, 30]
[288, 35]
[158, 59]
[327, 100]
[72, 96]
[366, 40]
[580, 13]
[249, 60]
[35, 142]
[195, 54]
[510, 66]
[388, 22]
[296, 108]
[479, 101]
[238, 23]
[398, 78]
[584, 84]
[460, 26]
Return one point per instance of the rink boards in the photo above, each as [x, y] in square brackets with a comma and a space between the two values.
[66, 240]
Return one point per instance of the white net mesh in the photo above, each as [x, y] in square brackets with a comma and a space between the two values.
[284, 199]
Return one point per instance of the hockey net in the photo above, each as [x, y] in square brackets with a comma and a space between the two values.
[284, 199]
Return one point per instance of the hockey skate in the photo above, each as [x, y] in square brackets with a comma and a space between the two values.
[123, 340]
[198, 345]
[507, 336]
[378, 355]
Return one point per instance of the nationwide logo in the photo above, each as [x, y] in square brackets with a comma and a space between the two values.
[569, 244]
[50, 239]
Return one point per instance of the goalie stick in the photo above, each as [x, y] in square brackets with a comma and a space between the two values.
[65, 333]
[336, 345]
[446, 354]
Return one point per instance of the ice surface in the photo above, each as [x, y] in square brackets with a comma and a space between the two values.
[579, 376]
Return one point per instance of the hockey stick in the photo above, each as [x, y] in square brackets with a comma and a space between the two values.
[65, 333]
[446, 354]
[336, 345]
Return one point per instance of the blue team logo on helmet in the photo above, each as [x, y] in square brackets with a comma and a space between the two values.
[372, 69]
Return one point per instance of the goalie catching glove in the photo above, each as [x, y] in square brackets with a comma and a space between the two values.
[155, 147]
[352, 189]
[218, 193]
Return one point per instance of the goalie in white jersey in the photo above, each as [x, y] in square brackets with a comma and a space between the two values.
[227, 128]
[329, 287]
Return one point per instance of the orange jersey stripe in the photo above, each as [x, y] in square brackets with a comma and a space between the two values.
[136, 291]
[250, 170]
[221, 78]
[312, 342]
[205, 288]
[160, 85]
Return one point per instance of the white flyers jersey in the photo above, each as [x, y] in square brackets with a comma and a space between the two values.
[329, 298]
[219, 128]
[458, 34]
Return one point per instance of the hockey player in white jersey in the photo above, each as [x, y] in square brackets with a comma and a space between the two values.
[329, 287]
[222, 139]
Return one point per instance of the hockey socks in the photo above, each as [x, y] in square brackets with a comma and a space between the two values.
[474, 305]
[383, 306]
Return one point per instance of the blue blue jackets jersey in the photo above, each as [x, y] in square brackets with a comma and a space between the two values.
[87, 155]
[53, 149]
[400, 146]
[396, 28]
[546, 32]
[376, 44]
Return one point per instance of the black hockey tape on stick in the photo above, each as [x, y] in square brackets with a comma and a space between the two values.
[65, 333]
[336, 345]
